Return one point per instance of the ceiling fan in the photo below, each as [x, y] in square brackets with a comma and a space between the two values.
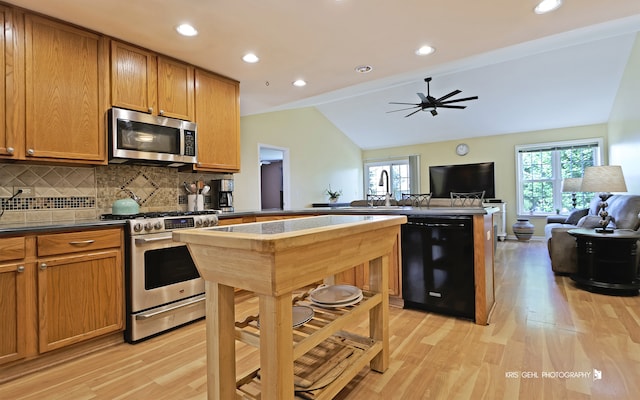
[431, 103]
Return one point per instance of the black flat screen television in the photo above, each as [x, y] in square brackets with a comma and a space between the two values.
[445, 179]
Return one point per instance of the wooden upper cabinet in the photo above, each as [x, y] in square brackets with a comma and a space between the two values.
[65, 92]
[133, 78]
[11, 86]
[146, 82]
[218, 119]
[175, 89]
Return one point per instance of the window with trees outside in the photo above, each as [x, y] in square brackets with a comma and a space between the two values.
[541, 169]
[403, 176]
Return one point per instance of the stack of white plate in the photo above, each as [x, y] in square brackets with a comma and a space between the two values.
[335, 296]
[300, 315]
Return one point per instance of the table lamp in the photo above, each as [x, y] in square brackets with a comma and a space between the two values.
[603, 179]
[572, 185]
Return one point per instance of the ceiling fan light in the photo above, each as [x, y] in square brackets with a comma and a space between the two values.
[425, 50]
[546, 6]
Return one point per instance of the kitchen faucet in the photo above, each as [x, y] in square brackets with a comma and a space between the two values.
[387, 195]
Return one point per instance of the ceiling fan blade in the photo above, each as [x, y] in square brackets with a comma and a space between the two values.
[458, 100]
[408, 115]
[423, 97]
[403, 109]
[447, 106]
[446, 96]
[406, 104]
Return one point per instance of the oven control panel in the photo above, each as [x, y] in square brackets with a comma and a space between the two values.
[157, 225]
[179, 223]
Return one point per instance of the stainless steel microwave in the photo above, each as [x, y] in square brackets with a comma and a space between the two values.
[139, 138]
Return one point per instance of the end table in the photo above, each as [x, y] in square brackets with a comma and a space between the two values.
[607, 262]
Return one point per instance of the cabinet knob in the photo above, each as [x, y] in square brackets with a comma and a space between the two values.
[20, 268]
[161, 112]
[31, 152]
[151, 110]
[43, 266]
[10, 150]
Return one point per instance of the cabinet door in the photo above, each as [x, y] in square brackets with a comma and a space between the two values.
[218, 119]
[11, 87]
[175, 89]
[12, 312]
[65, 98]
[79, 297]
[133, 78]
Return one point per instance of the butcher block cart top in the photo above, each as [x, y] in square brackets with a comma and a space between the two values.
[272, 259]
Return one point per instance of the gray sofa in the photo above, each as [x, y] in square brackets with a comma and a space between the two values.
[623, 210]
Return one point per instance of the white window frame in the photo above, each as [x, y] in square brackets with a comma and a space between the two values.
[557, 176]
[414, 173]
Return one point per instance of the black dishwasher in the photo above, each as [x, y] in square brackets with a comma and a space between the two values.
[437, 264]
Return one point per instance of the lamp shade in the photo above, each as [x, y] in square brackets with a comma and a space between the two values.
[571, 185]
[603, 178]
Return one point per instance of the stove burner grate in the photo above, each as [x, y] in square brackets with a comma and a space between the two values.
[156, 214]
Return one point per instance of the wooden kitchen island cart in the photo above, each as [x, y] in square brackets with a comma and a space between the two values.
[274, 259]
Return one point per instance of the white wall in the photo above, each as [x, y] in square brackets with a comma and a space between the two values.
[624, 123]
[320, 155]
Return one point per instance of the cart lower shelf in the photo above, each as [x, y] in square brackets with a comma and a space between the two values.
[324, 370]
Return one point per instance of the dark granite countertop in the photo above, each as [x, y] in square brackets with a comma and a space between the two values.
[49, 226]
[379, 210]
[54, 226]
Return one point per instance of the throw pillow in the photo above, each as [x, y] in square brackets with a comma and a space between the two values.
[575, 216]
[589, 222]
[593, 221]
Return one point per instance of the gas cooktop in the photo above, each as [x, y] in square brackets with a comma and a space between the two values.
[157, 214]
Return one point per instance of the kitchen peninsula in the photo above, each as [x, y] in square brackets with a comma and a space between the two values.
[273, 259]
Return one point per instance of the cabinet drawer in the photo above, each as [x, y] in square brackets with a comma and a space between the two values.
[12, 248]
[64, 243]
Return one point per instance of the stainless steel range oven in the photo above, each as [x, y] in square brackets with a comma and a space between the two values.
[164, 289]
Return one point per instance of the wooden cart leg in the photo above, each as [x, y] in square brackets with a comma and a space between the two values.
[379, 315]
[276, 347]
[221, 351]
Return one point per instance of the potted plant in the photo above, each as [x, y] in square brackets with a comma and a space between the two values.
[334, 195]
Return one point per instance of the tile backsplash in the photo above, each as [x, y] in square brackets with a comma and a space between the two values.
[60, 193]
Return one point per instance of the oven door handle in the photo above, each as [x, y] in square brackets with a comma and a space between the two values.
[155, 239]
[182, 304]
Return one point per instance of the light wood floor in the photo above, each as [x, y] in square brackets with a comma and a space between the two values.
[541, 324]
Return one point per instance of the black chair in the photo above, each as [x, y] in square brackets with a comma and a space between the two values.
[467, 199]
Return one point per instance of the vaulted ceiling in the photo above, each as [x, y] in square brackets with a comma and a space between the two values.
[529, 71]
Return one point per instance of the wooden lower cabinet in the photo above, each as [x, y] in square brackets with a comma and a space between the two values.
[13, 288]
[57, 290]
[79, 297]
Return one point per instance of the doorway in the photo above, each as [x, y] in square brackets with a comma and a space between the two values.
[274, 177]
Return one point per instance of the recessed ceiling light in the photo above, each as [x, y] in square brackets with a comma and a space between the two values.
[363, 69]
[546, 6]
[186, 30]
[299, 83]
[250, 58]
[425, 50]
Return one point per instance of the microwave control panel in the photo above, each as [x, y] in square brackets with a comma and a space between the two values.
[189, 143]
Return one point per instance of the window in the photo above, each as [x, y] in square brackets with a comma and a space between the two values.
[403, 176]
[541, 169]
